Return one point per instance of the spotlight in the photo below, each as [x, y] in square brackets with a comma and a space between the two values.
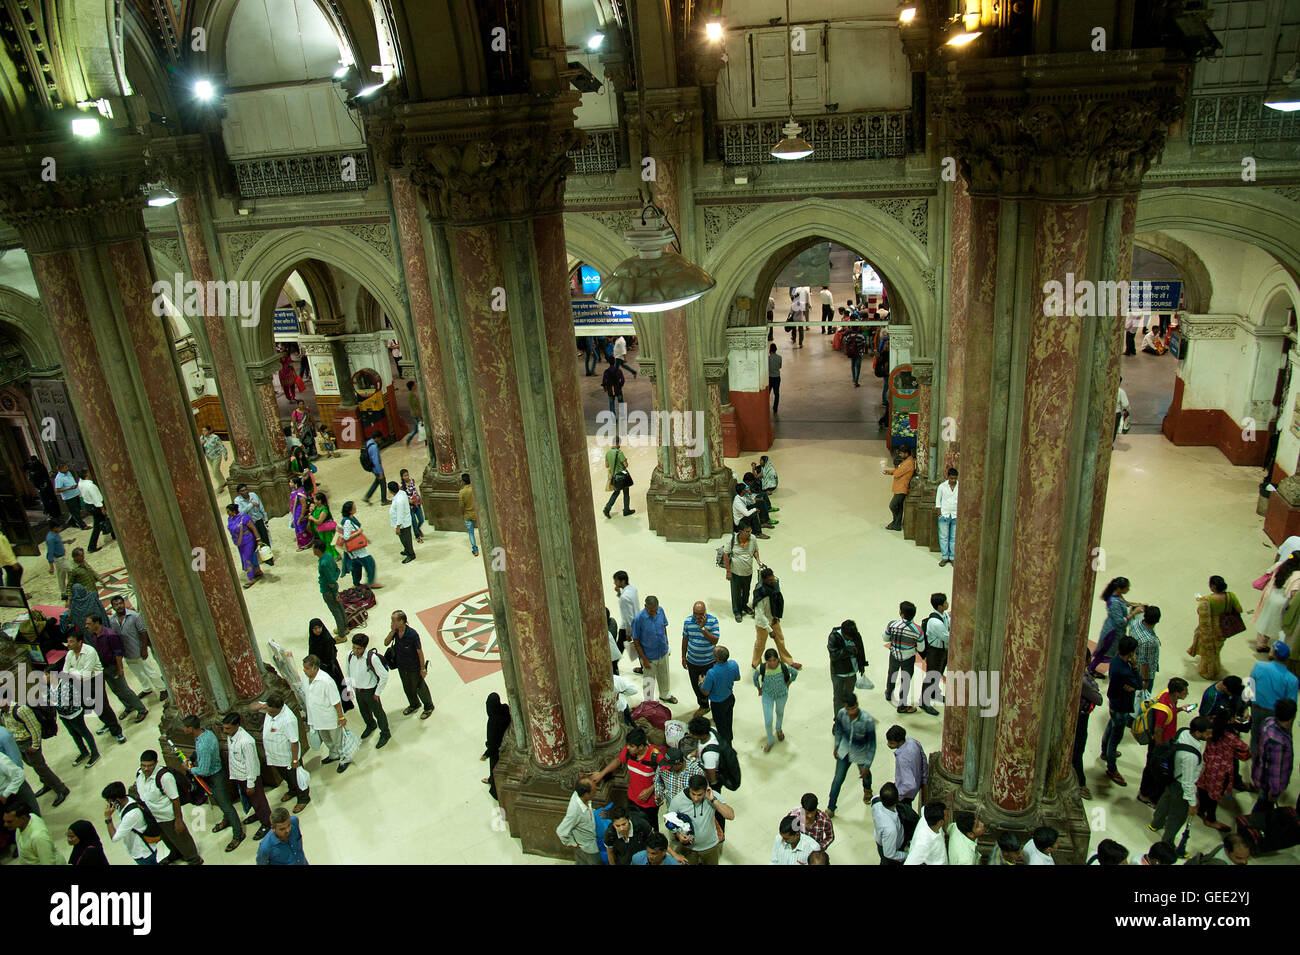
[341, 72]
[159, 196]
[594, 41]
[907, 14]
[1285, 99]
[713, 31]
[962, 39]
[204, 90]
[85, 126]
[370, 90]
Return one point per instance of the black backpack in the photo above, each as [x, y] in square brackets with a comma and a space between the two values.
[365, 460]
[152, 832]
[48, 719]
[924, 645]
[728, 763]
[1162, 762]
[840, 650]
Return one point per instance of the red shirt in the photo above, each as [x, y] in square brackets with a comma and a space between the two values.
[1166, 727]
[641, 774]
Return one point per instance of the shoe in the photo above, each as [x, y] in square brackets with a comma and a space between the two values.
[42, 791]
[374, 586]
[329, 759]
[142, 717]
[1151, 827]
[830, 813]
[144, 694]
[907, 709]
[1145, 801]
[250, 819]
[763, 537]
[1085, 792]
[767, 747]
[260, 834]
[198, 861]
[125, 713]
[419, 540]
[342, 767]
[427, 713]
[368, 732]
[944, 562]
[605, 511]
[773, 510]
[162, 697]
[780, 737]
[929, 709]
[383, 741]
[122, 739]
[81, 759]
[101, 731]
[739, 617]
[668, 699]
[92, 761]
[474, 552]
[407, 560]
[632, 511]
[58, 800]
[1117, 778]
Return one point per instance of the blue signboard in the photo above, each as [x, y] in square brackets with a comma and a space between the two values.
[284, 322]
[1154, 295]
[590, 280]
[588, 313]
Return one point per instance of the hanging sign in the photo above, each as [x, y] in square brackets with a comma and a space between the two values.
[284, 321]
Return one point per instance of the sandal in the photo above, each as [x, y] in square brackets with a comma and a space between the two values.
[668, 699]
[234, 843]
[780, 737]
[222, 826]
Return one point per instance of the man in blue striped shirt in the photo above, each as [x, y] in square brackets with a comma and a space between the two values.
[208, 768]
[700, 634]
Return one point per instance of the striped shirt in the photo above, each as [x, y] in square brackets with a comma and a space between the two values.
[21, 722]
[1148, 648]
[902, 637]
[699, 649]
[668, 783]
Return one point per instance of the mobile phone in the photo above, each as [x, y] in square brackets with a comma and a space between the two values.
[1190, 707]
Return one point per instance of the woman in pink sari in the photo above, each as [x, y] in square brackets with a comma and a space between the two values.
[299, 509]
[1283, 584]
[288, 377]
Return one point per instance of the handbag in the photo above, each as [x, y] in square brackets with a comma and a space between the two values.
[326, 526]
[623, 480]
[722, 551]
[356, 541]
[1230, 623]
[1261, 581]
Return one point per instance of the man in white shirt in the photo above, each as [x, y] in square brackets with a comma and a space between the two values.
[1039, 848]
[14, 788]
[246, 770]
[368, 676]
[399, 516]
[280, 743]
[83, 663]
[619, 353]
[629, 605]
[945, 502]
[1121, 409]
[889, 828]
[93, 498]
[325, 712]
[934, 638]
[828, 310]
[127, 824]
[927, 842]
[578, 827]
[963, 839]
[1132, 325]
[791, 847]
[624, 690]
[160, 794]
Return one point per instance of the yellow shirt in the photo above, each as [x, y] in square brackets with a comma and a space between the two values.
[468, 510]
[7, 558]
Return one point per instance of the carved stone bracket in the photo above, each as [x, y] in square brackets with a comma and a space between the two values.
[672, 118]
[237, 245]
[89, 200]
[1204, 327]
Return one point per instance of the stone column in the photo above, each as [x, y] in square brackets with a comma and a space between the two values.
[263, 378]
[958, 296]
[750, 395]
[441, 482]
[493, 178]
[1051, 202]
[919, 522]
[86, 243]
[714, 370]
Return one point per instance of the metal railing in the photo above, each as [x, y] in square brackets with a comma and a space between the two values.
[304, 175]
[1225, 118]
[599, 155]
[875, 134]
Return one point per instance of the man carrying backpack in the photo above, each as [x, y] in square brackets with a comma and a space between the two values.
[854, 733]
[131, 824]
[641, 758]
[23, 724]
[371, 462]
[720, 763]
[848, 659]
[934, 650]
[368, 676]
[160, 791]
[1158, 722]
[1178, 765]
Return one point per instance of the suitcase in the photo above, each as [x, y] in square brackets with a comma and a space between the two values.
[837, 341]
[356, 602]
[1269, 832]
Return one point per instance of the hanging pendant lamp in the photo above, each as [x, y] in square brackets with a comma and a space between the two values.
[792, 144]
[656, 279]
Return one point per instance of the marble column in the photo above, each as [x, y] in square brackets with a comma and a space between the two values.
[919, 521]
[958, 296]
[748, 387]
[440, 485]
[492, 177]
[1051, 202]
[263, 378]
[91, 263]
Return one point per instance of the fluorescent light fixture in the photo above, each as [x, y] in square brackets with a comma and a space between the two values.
[594, 41]
[85, 126]
[370, 90]
[1286, 98]
[159, 195]
[204, 90]
[713, 30]
[907, 14]
[961, 39]
[793, 145]
[655, 279]
[341, 72]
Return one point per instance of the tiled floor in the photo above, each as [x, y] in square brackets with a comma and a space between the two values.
[1174, 516]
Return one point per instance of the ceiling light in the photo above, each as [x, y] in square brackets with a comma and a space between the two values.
[341, 72]
[793, 145]
[204, 90]
[370, 90]
[907, 14]
[961, 39]
[713, 31]
[655, 279]
[85, 126]
[159, 195]
[1286, 98]
[594, 41]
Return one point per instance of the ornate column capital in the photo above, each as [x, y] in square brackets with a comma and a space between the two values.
[1061, 126]
[180, 163]
[69, 198]
[715, 368]
[923, 371]
[1194, 327]
[486, 159]
[672, 119]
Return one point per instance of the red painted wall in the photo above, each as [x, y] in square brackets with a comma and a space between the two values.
[1212, 427]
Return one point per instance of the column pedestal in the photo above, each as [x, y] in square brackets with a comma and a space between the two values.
[441, 496]
[269, 481]
[696, 511]
[750, 395]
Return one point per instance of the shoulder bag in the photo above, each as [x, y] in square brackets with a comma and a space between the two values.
[1230, 622]
[357, 540]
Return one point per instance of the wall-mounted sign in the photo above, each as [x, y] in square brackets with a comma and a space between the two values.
[284, 322]
[592, 318]
[1178, 345]
[323, 375]
[590, 280]
[1154, 295]
[904, 407]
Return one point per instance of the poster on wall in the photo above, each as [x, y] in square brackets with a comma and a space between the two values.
[323, 375]
[904, 407]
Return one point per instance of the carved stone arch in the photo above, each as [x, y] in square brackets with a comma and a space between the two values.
[145, 68]
[25, 318]
[1276, 296]
[738, 259]
[278, 252]
[322, 288]
[351, 20]
[1197, 284]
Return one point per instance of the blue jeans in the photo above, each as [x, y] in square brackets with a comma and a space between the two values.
[417, 519]
[590, 360]
[856, 365]
[947, 536]
[469, 529]
[1112, 737]
[770, 704]
[382, 485]
[841, 771]
[357, 564]
[415, 429]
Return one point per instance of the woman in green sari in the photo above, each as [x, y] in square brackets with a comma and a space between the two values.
[322, 524]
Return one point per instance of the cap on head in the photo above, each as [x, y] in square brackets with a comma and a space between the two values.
[1281, 650]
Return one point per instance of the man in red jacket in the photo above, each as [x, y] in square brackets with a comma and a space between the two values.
[1165, 727]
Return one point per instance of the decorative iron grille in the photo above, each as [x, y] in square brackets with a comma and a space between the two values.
[305, 175]
[881, 134]
[600, 154]
[1239, 118]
